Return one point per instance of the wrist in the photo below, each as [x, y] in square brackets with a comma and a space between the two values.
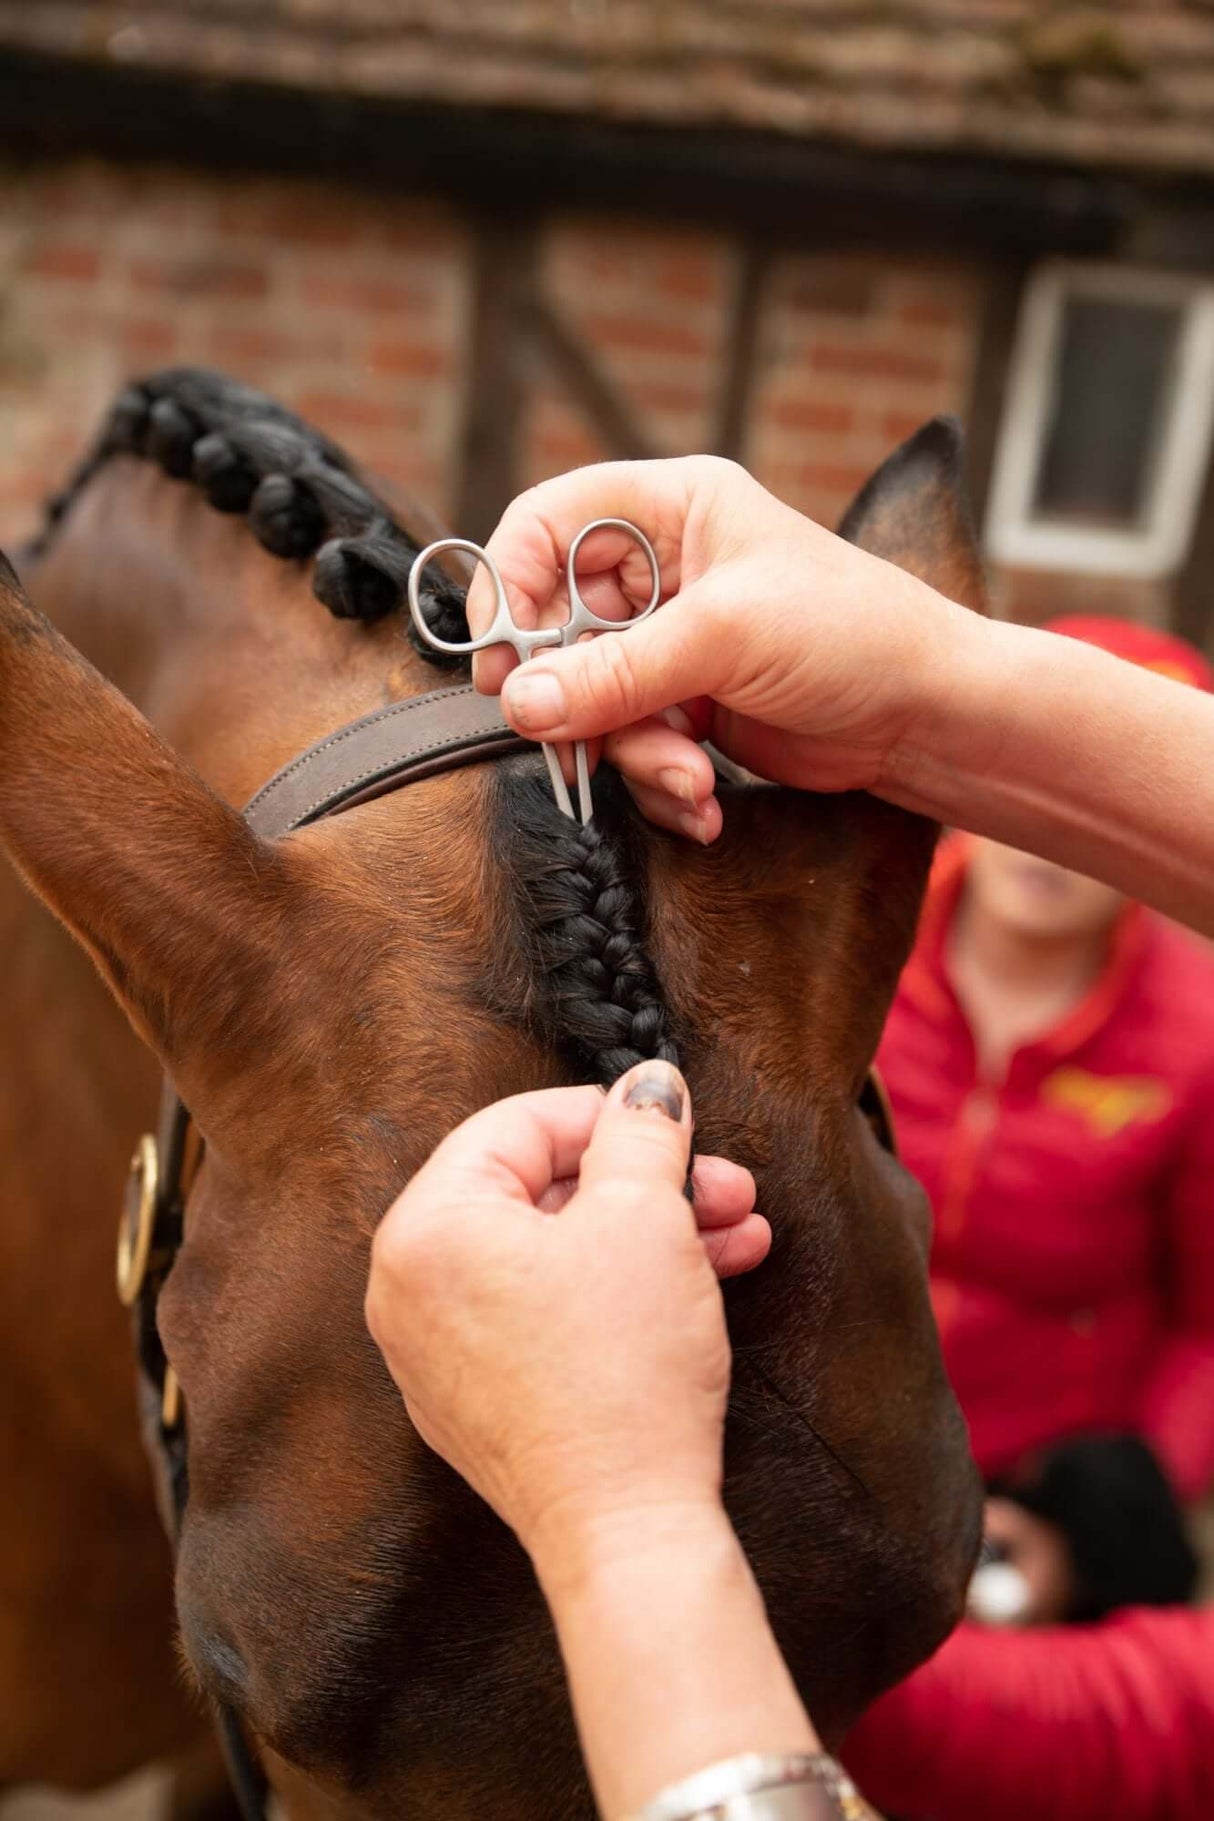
[578, 1550]
[953, 727]
[671, 1660]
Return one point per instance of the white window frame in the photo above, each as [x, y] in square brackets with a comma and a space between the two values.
[1159, 545]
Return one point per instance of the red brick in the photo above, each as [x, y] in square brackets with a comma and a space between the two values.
[199, 275]
[426, 230]
[271, 345]
[813, 414]
[831, 287]
[78, 191]
[841, 478]
[691, 276]
[66, 260]
[344, 412]
[415, 358]
[670, 395]
[346, 291]
[287, 213]
[555, 453]
[897, 426]
[82, 317]
[929, 313]
[147, 339]
[874, 362]
[645, 335]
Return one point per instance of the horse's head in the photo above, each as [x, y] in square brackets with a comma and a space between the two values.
[331, 1004]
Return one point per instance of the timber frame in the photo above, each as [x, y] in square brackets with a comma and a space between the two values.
[507, 170]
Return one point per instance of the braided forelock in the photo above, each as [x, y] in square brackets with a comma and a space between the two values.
[591, 990]
[300, 494]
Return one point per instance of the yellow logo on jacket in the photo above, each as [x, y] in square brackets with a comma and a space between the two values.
[1106, 1103]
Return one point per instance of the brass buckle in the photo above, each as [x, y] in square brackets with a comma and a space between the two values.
[170, 1399]
[137, 1221]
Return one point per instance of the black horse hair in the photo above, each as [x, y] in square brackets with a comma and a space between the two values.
[594, 993]
[599, 1001]
[299, 493]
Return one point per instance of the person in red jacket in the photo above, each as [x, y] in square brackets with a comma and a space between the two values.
[1108, 1722]
[1050, 1060]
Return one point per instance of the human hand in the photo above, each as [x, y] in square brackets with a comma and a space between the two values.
[801, 657]
[573, 1368]
[1040, 1554]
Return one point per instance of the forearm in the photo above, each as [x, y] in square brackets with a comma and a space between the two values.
[671, 1661]
[1050, 745]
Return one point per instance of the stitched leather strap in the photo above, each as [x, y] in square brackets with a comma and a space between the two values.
[397, 745]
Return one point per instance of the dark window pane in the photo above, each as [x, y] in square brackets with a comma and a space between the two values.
[1110, 397]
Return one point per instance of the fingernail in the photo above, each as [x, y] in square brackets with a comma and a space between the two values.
[656, 1088]
[695, 826]
[535, 698]
[678, 782]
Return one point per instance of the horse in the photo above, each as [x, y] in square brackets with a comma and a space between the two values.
[218, 587]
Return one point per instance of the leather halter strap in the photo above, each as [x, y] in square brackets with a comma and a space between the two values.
[417, 738]
[398, 745]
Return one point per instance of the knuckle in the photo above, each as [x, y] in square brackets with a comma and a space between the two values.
[397, 1248]
[629, 1197]
[721, 468]
[611, 680]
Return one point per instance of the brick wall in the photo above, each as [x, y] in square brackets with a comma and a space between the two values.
[355, 311]
[351, 312]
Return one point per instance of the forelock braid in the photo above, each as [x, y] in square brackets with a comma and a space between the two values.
[300, 493]
[593, 991]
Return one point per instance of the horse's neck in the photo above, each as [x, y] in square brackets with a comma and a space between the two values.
[223, 647]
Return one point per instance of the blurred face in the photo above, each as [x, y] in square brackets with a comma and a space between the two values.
[1035, 898]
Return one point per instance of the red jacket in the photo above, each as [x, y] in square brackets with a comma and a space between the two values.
[1111, 1722]
[1073, 1250]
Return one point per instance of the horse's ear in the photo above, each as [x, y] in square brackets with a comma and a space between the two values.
[158, 878]
[914, 511]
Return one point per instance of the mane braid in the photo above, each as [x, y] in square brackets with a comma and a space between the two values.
[300, 494]
[593, 991]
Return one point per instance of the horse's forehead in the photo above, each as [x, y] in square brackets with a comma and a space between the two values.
[223, 646]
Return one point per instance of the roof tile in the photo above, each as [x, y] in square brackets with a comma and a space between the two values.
[1125, 85]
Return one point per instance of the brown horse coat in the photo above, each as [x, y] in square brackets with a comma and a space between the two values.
[329, 1006]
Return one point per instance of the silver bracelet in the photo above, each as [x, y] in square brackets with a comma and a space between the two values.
[806, 1787]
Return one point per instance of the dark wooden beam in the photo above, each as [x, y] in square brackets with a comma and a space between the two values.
[585, 381]
[740, 364]
[503, 276]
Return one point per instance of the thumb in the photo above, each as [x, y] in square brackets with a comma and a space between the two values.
[619, 677]
[643, 1135]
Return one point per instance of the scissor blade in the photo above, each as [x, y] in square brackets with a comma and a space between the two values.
[560, 789]
[585, 802]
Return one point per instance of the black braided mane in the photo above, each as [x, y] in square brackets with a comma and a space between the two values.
[592, 991]
[300, 494]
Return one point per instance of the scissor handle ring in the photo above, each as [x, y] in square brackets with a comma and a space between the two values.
[583, 618]
[502, 627]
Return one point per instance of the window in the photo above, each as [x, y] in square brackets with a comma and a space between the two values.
[1107, 422]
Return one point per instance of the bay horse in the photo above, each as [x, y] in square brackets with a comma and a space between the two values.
[217, 588]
